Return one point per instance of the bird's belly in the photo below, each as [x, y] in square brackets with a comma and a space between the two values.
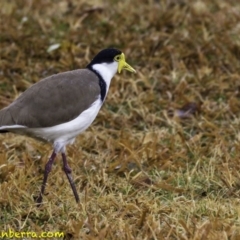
[65, 132]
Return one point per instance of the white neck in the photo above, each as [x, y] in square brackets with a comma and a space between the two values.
[107, 71]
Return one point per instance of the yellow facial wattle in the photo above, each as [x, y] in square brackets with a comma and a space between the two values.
[122, 64]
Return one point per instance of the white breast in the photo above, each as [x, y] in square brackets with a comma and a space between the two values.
[65, 133]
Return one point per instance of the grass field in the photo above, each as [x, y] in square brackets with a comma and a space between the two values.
[162, 159]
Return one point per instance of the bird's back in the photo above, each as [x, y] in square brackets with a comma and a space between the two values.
[52, 101]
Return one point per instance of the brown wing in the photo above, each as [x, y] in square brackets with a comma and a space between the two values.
[53, 100]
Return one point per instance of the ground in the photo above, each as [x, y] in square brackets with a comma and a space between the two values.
[162, 159]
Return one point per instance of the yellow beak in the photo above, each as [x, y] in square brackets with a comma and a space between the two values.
[123, 65]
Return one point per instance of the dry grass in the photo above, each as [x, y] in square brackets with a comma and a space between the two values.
[162, 159]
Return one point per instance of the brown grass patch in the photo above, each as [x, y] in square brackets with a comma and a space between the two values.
[162, 159]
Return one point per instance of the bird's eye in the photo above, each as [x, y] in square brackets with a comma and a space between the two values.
[117, 58]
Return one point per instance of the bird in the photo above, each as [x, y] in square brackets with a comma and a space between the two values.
[58, 108]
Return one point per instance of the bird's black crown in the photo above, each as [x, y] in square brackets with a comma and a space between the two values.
[105, 56]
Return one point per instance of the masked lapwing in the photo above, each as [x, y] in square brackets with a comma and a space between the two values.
[60, 107]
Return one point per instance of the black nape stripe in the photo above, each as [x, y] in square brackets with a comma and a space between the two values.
[102, 83]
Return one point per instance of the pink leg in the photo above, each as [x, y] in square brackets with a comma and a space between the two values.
[68, 171]
[48, 169]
